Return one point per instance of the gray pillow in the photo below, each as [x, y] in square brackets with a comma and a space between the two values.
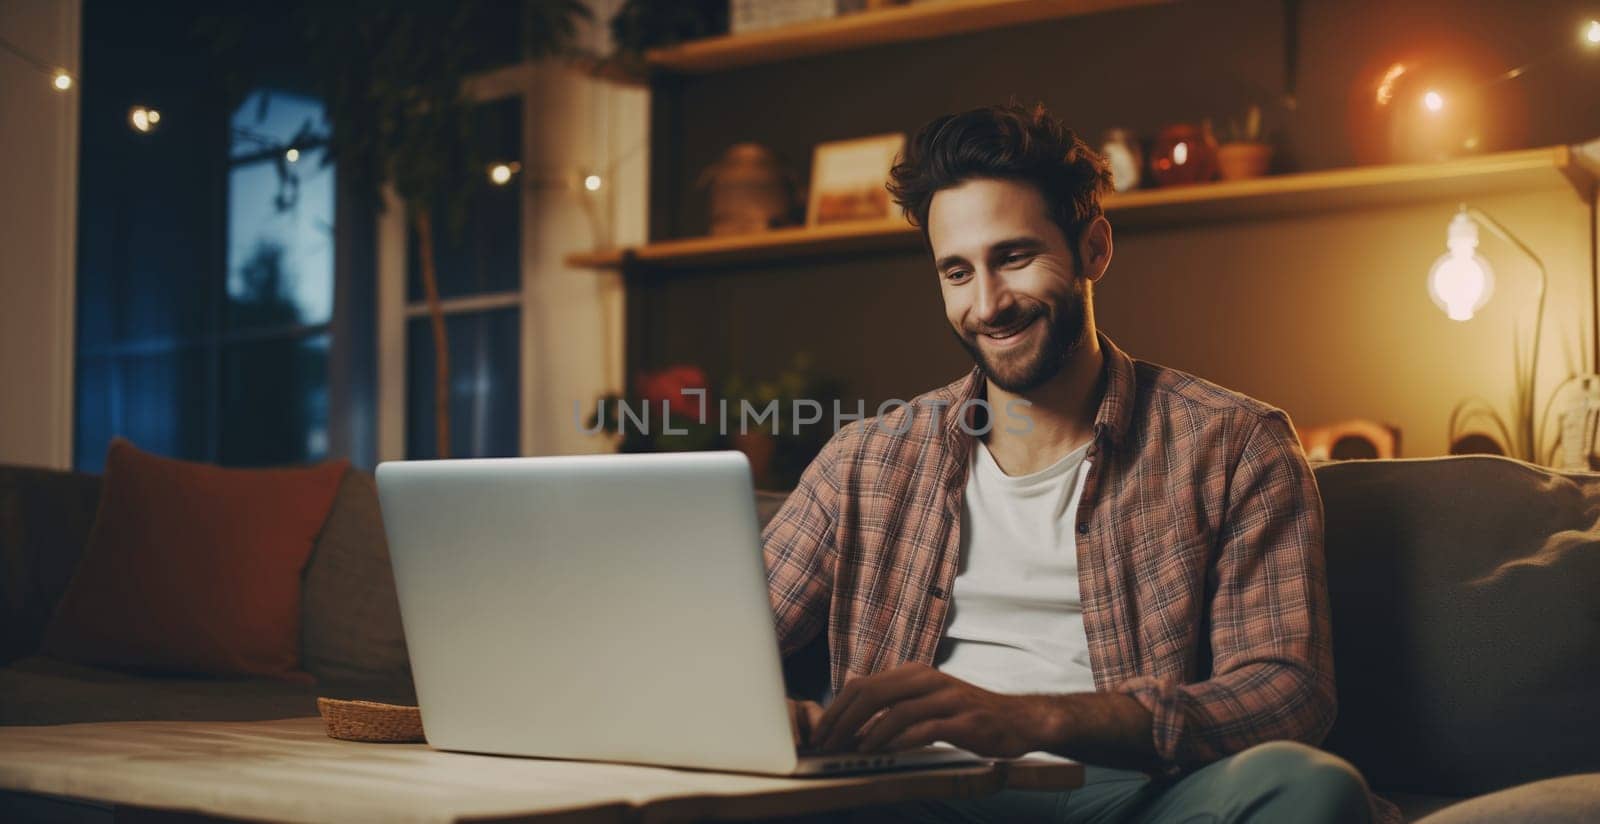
[350, 616]
[1465, 628]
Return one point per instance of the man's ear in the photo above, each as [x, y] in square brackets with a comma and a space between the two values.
[1094, 248]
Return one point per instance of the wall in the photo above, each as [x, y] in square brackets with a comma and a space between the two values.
[579, 125]
[1326, 316]
[38, 219]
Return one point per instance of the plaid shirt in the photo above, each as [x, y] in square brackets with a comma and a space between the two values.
[1199, 555]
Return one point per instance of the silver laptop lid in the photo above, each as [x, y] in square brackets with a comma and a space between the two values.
[609, 607]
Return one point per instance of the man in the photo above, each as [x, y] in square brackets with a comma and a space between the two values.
[1066, 551]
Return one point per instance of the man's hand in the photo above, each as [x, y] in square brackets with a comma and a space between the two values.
[803, 717]
[913, 705]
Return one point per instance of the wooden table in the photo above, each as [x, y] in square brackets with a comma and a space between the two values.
[289, 770]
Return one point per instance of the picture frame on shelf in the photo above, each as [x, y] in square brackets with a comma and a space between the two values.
[848, 179]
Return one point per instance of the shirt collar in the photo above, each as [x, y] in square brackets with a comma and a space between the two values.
[1111, 421]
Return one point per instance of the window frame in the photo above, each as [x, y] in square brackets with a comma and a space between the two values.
[395, 311]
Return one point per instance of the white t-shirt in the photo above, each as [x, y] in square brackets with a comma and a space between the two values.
[1016, 620]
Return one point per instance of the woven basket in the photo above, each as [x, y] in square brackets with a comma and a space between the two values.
[371, 721]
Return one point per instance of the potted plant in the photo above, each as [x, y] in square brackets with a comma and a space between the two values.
[659, 416]
[1245, 154]
[780, 450]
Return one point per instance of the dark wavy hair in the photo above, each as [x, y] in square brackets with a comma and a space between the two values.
[1010, 142]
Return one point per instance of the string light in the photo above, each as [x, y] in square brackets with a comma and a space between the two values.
[293, 155]
[1588, 35]
[501, 173]
[592, 183]
[1385, 90]
[60, 78]
[144, 119]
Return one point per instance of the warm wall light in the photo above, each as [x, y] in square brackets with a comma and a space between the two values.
[62, 80]
[1591, 34]
[1433, 101]
[1461, 280]
[592, 183]
[143, 119]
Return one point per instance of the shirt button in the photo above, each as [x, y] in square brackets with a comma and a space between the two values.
[1083, 529]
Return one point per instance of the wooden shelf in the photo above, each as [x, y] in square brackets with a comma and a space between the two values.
[1267, 197]
[920, 21]
[842, 238]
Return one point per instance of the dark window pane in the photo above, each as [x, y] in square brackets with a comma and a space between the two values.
[485, 255]
[275, 401]
[158, 401]
[280, 215]
[485, 385]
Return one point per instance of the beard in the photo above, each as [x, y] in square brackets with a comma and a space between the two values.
[1026, 368]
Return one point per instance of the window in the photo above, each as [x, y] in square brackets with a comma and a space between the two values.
[479, 268]
[205, 327]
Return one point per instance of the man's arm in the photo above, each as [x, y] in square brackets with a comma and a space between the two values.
[1271, 641]
[1272, 672]
[799, 550]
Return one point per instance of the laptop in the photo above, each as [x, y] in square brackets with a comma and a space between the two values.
[598, 607]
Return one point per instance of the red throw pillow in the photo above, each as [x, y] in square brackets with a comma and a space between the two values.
[194, 569]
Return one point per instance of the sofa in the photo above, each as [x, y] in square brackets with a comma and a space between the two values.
[1466, 604]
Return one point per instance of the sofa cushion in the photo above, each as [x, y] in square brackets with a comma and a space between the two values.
[349, 613]
[44, 522]
[194, 569]
[1466, 638]
[1567, 800]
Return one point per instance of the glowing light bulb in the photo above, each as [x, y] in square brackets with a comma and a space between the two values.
[1180, 153]
[293, 155]
[62, 81]
[1385, 90]
[1433, 101]
[143, 119]
[1591, 33]
[1461, 280]
[501, 173]
[592, 183]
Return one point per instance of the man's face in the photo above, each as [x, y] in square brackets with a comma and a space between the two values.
[1011, 289]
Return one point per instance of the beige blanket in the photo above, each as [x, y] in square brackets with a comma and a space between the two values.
[289, 770]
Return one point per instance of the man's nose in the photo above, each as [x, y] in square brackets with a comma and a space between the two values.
[994, 300]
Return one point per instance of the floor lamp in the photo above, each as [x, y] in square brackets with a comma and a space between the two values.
[1461, 282]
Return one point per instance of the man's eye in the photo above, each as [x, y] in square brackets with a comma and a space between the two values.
[955, 274]
[1018, 258]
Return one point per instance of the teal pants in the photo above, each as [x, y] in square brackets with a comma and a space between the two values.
[1277, 781]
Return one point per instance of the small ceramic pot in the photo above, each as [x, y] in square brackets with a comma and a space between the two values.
[1121, 151]
[758, 447]
[1240, 161]
[750, 190]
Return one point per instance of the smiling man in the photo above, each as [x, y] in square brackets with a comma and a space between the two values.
[1068, 550]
